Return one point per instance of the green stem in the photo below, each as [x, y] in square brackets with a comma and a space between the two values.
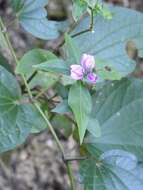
[51, 129]
[71, 159]
[44, 117]
[6, 36]
[69, 170]
[90, 29]
[70, 174]
[91, 19]
[2, 26]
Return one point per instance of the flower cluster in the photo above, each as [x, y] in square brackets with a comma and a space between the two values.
[85, 69]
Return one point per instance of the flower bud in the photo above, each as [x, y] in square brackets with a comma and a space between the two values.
[77, 72]
[87, 62]
[91, 77]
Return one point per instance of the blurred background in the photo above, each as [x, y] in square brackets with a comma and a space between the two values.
[36, 165]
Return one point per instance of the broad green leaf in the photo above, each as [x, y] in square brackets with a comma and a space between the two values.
[54, 65]
[120, 158]
[107, 174]
[32, 17]
[94, 127]
[16, 117]
[118, 107]
[81, 104]
[73, 53]
[35, 57]
[108, 42]
[106, 71]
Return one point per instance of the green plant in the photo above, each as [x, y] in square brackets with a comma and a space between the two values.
[102, 103]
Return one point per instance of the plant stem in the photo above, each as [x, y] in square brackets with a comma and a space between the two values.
[31, 77]
[54, 135]
[71, 159]
[6, 36]
[38, 107]
[44, 117]
[70, 174]
[90, 29]
[51, 129]
[91, 19]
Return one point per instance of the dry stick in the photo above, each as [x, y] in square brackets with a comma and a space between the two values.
[38, 107]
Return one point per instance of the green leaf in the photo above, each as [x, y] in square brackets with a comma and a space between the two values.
[94, 127]
[16, 117]
[106, 71]
[108, 174]
[17, 5]
[118, 107]
[35, 57]
[73, 53]
[62, 124]
[120, 158]
[62, 108]
[81, 104]
[62, 90]
[38, 124]
[32, 17]
[5, 64]
[108, 42]
[78, 9]
[55, 66]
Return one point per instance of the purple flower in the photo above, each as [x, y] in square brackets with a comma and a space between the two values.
[77, 72]
[91, 77]
[85, 70]
[87, 62]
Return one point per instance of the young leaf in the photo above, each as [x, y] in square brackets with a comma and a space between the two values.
[35, 57]
[32, 17]
[81, 104]
[118, 108]
[108, 42]
[31, 58]
[54, 65]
